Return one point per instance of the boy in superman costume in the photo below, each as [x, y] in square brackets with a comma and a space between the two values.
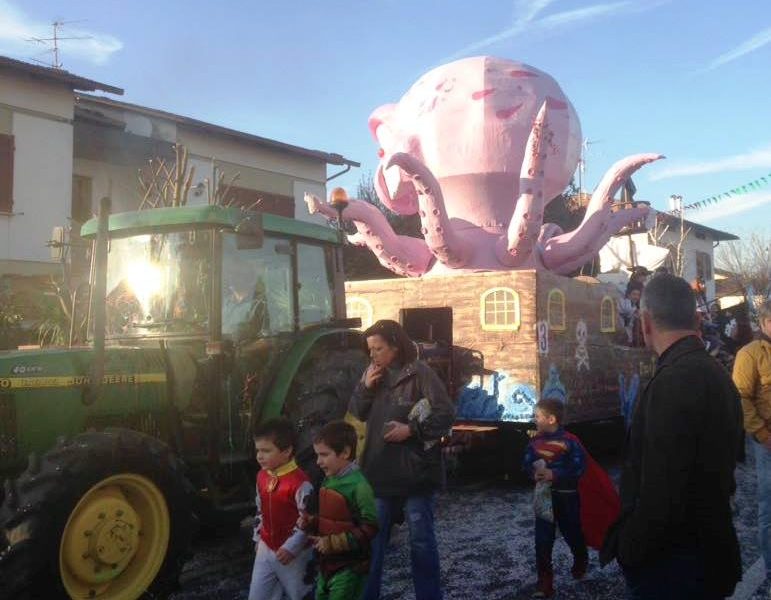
[582, 501]
[347, 519]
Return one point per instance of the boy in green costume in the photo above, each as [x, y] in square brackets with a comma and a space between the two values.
[347, 518]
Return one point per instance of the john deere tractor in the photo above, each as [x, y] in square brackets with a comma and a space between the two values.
[204, 320]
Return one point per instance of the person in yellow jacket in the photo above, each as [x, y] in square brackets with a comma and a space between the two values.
[752, 376]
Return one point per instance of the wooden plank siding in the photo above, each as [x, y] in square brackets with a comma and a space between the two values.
[591, 393]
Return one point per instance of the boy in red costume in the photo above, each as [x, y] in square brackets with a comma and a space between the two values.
[283, 552]
[347, 519]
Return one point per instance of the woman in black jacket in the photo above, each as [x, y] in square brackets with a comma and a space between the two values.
[407, 411]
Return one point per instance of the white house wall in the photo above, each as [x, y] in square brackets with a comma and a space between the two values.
[31, 95]
[119, 182]
[250, 155]
[42, 188]
[39, 116]
[618, 248]
[691, 246]
[259, 168]
[300, 208]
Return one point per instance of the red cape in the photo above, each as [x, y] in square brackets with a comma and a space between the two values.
[600, 503]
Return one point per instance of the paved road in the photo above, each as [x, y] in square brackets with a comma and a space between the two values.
[486, 547]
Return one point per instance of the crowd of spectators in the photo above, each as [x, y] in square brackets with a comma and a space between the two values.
[723, 331]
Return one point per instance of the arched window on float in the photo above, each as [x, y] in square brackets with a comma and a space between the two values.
[607, 315]
[361, 308]
[499, 309]
[555, 311]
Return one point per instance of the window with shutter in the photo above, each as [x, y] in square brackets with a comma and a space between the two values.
[6, 173]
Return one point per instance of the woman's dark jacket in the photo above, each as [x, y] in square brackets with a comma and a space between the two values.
[413, 466]
[679, 470]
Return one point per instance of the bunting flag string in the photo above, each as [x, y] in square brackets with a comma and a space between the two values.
[752, 186]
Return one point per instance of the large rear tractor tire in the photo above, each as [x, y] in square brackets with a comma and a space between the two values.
[107, 515]
[320, 393]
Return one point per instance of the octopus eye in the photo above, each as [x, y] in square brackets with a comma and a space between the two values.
[380, 153]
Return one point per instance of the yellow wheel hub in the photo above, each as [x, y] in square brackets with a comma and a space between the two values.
[115, 539]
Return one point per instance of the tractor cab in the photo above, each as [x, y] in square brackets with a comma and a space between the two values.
[217, 273]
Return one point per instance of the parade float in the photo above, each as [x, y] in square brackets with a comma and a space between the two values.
[477, 148]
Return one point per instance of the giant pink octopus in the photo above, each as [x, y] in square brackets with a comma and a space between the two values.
[477, 148]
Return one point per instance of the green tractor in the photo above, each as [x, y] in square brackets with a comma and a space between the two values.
[204, 320]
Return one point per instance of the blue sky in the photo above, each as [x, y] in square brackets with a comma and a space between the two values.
[687, 78]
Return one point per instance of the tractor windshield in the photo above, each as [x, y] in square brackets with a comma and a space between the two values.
[159, 284]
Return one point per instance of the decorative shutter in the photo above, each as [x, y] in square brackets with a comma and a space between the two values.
[6, 173]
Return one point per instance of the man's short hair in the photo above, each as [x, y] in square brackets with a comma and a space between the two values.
[279, 430]
[552, 406]
[338, 435]
[670, 302]
[764, 312]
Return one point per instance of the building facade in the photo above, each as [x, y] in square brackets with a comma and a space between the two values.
[61, 150]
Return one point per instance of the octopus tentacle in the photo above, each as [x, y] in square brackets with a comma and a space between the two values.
[404, 255]
[357, 239]
[515, 247]
[548, 231]
[441, 239]
[566, 252]
[404, 201]
[616, 222]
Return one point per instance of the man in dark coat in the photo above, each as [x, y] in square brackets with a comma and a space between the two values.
[675, 537]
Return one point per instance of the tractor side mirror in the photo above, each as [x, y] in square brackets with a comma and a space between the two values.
[249, 232]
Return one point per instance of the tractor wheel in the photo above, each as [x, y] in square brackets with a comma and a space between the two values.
[106, 515]
[320, 393]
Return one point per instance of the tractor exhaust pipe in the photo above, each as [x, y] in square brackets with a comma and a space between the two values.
[98, 299]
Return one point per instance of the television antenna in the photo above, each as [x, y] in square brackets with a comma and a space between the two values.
[52, 43]
[582, 162]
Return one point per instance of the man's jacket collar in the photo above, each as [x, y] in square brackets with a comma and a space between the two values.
[683, 346]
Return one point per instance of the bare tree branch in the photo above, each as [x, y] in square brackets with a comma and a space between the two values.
[748, 262]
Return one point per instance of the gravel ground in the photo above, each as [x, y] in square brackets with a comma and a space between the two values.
[485, 535]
